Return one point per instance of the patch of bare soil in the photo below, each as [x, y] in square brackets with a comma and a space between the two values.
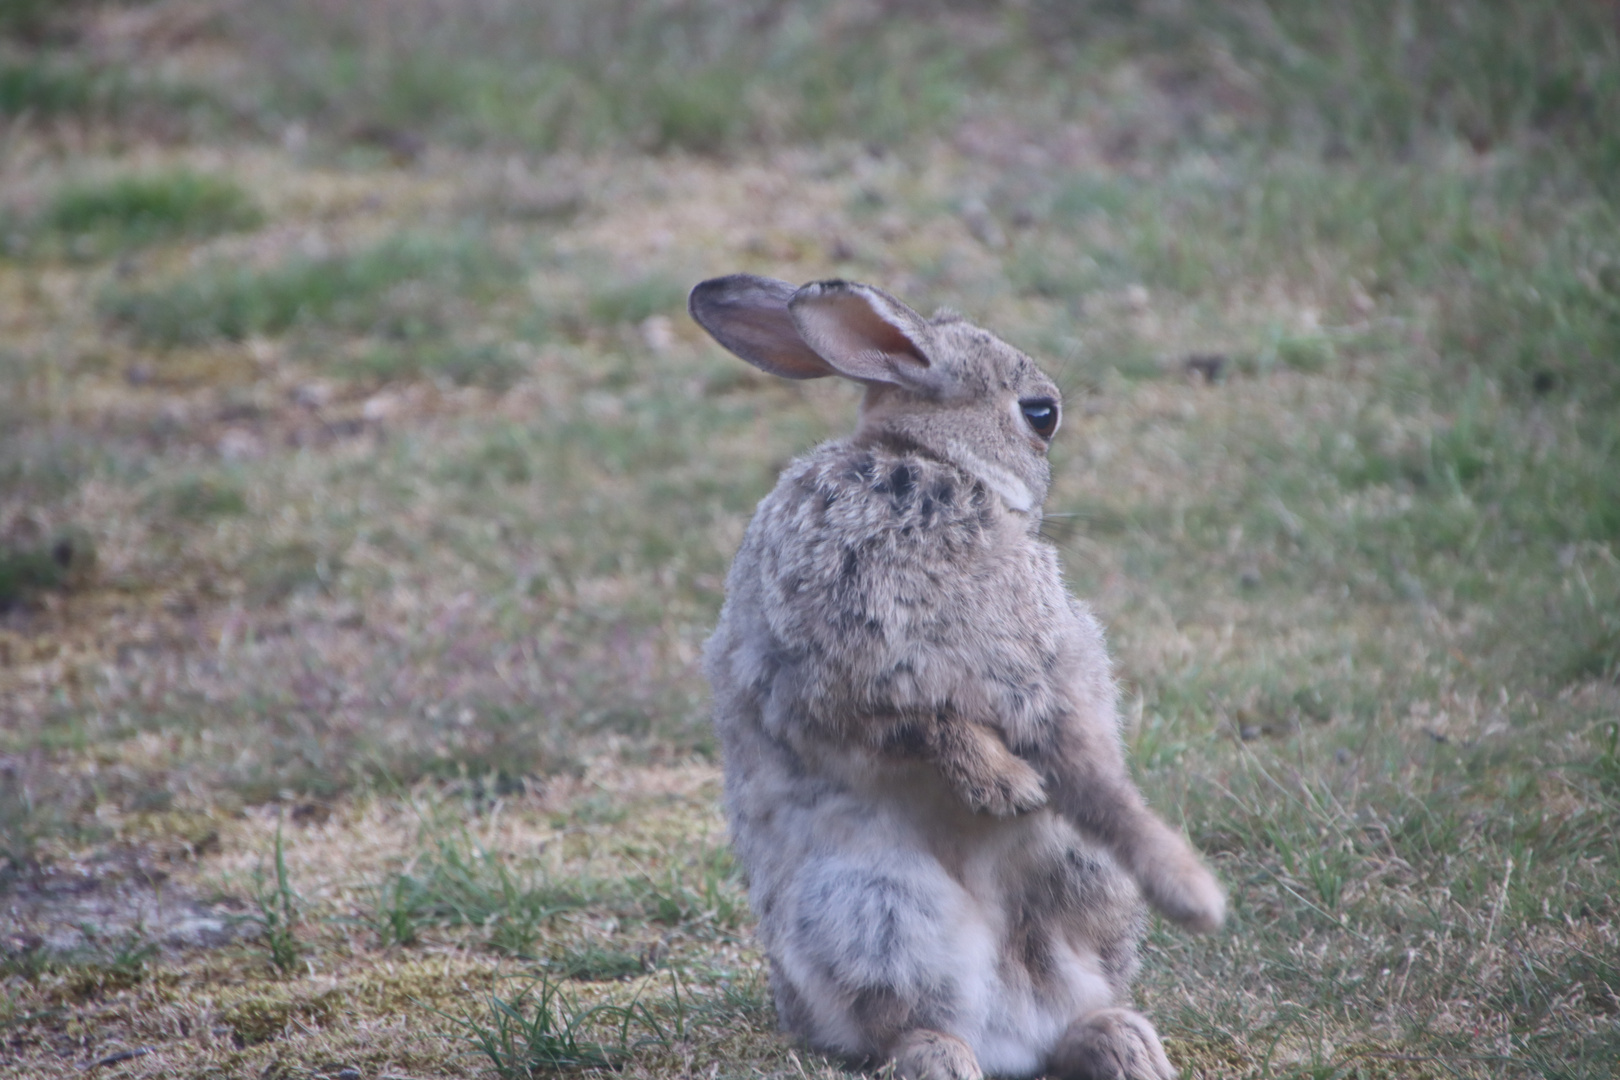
[118, 901]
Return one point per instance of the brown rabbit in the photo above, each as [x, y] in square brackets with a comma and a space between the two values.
[923, 769]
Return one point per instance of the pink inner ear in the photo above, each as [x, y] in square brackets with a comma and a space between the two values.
[846, 328]
[886, 336]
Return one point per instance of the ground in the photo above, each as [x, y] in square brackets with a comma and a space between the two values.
[366, 497]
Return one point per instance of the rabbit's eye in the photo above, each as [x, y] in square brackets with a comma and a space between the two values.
[1042, 415]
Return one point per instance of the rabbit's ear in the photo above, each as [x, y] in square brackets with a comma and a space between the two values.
[749, 315]
[866, 334]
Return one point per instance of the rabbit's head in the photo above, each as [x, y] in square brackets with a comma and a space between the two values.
[942, 384]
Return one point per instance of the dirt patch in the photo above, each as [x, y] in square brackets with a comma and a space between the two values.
[122, 902]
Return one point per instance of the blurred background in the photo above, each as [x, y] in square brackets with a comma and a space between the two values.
[356, 451]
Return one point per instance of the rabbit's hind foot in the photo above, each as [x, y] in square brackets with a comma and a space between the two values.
[1110, 1044]
[924, 1054]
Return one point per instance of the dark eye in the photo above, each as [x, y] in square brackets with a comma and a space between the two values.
[1042, 415]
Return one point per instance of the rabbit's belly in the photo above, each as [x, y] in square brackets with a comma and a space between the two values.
[879, 918]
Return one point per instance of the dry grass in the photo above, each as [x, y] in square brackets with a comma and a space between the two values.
[362, 484]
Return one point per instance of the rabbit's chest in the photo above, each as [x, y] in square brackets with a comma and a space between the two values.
[916, 592]
[912, 554]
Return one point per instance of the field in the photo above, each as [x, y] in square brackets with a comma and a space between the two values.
[366, 497]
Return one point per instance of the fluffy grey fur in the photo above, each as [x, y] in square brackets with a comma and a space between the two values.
[923, 769]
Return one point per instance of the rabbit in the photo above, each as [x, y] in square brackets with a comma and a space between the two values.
[924, 779]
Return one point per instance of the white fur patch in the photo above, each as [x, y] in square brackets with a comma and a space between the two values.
[1012, 491]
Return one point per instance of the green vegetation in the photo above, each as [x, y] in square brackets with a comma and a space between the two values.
[703, 894]
[490, 366]
[31, 20]
[635, 300]
[279, 912]
[367, 291]
[461, 884]
[64, 91]
[47, 88]
[195, 498]
[131, 211]
[27, 570]
[1370, 77]
[591, 962]
[540, 1031]
[704, 77]
[398, 496]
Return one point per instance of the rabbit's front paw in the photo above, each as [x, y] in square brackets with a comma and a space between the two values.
[1014, 788]
[1192, 898]
[1176, 882]
[989, 777]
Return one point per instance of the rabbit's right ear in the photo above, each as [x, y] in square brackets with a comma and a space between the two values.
[867, 335]
[749, 316]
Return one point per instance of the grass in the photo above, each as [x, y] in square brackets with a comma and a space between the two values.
[279, 912]
[66, 92]
[458, 364]
[132, 211]
[514, 906]
[28, 570]
[194, 498]
[461, 884]
[540, 1031]
[596, 963]
[1372, 76]
[400, 495]
[704, 894]
[369, 290]
[705, 78]
[637, 300]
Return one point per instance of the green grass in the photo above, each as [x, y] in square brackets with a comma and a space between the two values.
[47, 87]
[456, 882]
[195, 498]
[32, 20]
[591, 962]
[132, 211]
[487, 365]
[67, 90]
[1361, 873]
[540, 1031]
[459, 883]
[705, 893]
[25, 571]
[31, 815]
[635, 300]
[365, 291]
[1372, 77]
[703, 78]
[279, 912]
[66, 561]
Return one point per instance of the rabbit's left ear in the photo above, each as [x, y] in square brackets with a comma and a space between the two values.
[866, 334]
[749, 315]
